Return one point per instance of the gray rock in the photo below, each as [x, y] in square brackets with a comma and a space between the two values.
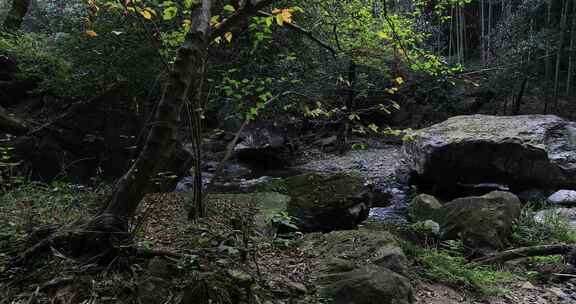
[525, 150]
[483, 222]
[563, 197]
[325, 201]
[423, 207]
[359, 267]
[369, 284]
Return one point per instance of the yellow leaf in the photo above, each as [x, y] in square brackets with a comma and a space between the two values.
[146, 14]
[383, 35]
[91, 33]
[228, 36]
[287, 15]
[399, 80]
[280, 19]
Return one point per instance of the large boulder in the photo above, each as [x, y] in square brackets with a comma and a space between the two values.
[519, 151]
[325, 201]
[359, 267]
[484, 223]
[267, 146]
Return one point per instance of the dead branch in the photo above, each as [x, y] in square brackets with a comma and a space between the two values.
[526, 252]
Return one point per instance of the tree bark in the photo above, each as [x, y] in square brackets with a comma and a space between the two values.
[16, 15]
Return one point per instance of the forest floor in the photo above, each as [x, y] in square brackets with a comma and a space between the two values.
[224, 242]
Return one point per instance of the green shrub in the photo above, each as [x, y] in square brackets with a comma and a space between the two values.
[37, 61]
[454, 270]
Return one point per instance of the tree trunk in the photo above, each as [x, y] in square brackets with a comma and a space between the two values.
[489, 42]
[563, 22]
[345, 129]
[570, 73]
[518, 102]
[482, 35]
[16, 15]
[547, 62]
[186, 76]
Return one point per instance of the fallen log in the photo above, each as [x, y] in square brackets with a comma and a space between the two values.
[526, 252]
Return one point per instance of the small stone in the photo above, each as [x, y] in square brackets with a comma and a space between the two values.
[563, 197]
[527, 285]
[241, 277]
[559, 293]
[297, 287]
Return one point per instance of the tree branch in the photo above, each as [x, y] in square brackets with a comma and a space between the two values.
[250, 8]
[305, 32]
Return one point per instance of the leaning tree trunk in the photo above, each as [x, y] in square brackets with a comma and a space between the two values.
[16, 15]
[185, 80]
[186, 76]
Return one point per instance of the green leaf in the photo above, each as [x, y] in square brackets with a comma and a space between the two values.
[169, 13]
[229, 8]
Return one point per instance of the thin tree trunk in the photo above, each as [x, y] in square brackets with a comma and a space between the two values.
[451, 42]
[489, 42]
[482, 36]
[569, 75]
[547, 62]
[343, 135]
[563, 22]
[16, 15]
[518, 102]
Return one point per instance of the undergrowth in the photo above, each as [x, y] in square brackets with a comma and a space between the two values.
[551, 229]
[454, 270]
[34, 205]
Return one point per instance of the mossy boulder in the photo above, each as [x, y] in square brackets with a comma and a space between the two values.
[484, 223]
[325, 201]
[359, 266]
[522, 152]
[423, 207]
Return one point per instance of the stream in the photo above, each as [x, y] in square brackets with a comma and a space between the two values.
[381, 165]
